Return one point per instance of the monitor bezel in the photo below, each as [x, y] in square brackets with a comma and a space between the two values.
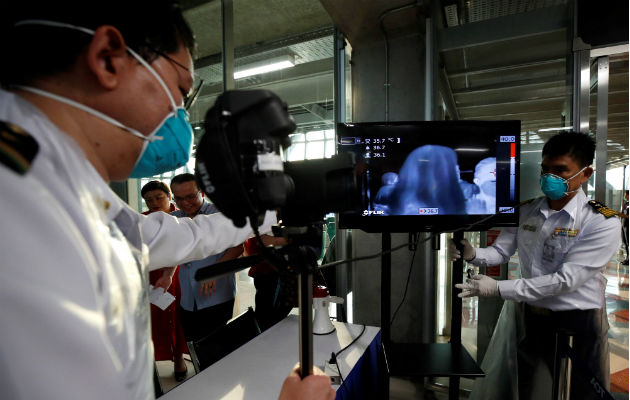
[438, 223]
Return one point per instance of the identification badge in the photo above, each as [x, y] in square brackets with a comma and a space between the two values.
[530, 228]
[566, 232]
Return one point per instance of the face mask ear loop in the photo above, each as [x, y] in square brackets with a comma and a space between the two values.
[87, 110]
[55, 24]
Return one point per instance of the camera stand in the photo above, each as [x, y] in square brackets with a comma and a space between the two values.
[299, 257]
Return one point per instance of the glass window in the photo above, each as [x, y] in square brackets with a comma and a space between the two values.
[315, 150]
[315, 135]
[295, 152]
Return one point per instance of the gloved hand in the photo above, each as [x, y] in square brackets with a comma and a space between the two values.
[479, 285]
[454, 254]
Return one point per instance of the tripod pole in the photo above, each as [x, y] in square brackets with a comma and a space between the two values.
[306, 322]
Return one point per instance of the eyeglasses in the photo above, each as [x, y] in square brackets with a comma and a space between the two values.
[191, 96]
[188, 198]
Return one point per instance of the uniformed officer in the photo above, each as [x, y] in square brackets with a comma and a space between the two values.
[93, 92]
[564, 241]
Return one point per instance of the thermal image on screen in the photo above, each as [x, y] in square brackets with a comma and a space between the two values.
[432, 169]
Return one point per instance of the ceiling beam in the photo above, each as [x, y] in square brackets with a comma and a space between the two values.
[525, 83]
[261, 47]
[317, 110]
[505, 67]
[542, 20]
[509, 103]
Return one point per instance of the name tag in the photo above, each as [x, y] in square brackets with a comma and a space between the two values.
[530, 228]
[566, 232]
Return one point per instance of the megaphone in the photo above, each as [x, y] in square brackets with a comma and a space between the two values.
[321, 321]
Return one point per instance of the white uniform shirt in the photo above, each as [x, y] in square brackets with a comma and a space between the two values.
[75, 314]
[562, 255]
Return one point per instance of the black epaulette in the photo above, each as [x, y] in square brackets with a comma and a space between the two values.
[17, 147]
[602, 209]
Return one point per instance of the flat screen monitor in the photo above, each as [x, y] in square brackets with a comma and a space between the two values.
[433, 176]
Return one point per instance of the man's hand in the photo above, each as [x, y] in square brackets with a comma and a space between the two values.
[454, 254]
[207, 288]
[166, 279]
[479, 285]
[313, 387]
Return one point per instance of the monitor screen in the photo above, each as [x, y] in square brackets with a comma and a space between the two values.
[433, 175]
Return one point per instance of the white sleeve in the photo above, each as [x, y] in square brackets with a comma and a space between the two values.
[500, 251]
[585, 259]
[173, 241]
[53, 341]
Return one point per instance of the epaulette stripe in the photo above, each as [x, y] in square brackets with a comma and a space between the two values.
[602, 209]
[17, 148]
[14, 157]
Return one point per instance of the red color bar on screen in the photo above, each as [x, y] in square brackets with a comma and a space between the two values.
[512, 149]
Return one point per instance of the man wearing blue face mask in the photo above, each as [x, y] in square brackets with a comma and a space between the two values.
[93, 93]
[564, 242]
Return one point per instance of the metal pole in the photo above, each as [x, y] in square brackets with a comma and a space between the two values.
[582, 86]
[602, 128]
[339, 77]
[386, 289]
[431, 69]
[306, 322]
[456, 315]
[227, 27]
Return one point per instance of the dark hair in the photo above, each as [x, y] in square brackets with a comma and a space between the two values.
[182, 178]
[155, 185]
[579, 146]
[36, 51]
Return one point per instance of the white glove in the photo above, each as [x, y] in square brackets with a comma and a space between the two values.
[454, 254]
[479, 285]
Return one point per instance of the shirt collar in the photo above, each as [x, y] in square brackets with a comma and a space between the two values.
[570, 208]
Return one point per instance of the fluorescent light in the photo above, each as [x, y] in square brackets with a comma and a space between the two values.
[273, 64]
[562, 128]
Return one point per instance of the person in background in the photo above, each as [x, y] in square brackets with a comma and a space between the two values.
[383, 196]
[166, 329]
[84, 95]
[485, 199]
[203, 306]
[564, 242]
[270, 302]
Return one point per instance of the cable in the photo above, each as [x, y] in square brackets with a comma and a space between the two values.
[335, 263]
[430, 237]
[351, 343]
[408, 279]
[339, 370]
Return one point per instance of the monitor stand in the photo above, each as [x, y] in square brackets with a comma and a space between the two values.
[425, 359]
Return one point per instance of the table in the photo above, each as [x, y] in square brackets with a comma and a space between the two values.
[257, 369]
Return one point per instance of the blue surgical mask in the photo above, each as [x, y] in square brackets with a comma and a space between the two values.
[170, 153]
[166, 148]
[556, 187]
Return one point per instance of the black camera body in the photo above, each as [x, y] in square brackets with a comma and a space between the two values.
[240, 168]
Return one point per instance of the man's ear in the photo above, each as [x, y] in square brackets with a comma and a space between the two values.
[587, 174]
[107, 56]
